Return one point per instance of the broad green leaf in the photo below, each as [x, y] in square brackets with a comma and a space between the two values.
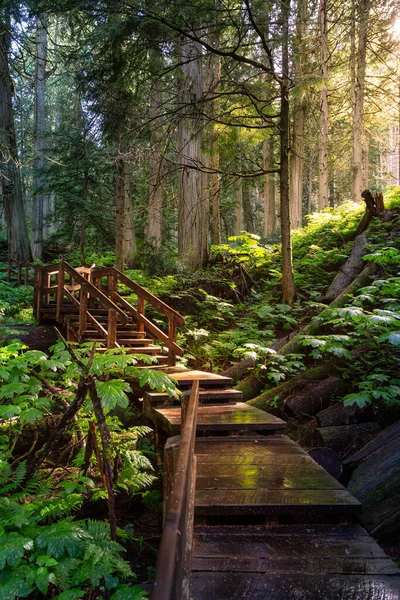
[42, 579]
[113, 393]
[30, 415]
[8, 411]
[8, 390]
[360, 398]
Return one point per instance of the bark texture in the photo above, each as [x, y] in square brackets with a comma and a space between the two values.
[358, 100]
[154, 212]
[192, 214]
[299, 119]
[287, 263]
[323, 195]
[40, 198]
[10, 178]
[269, 187]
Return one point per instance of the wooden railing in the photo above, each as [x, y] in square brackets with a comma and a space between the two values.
[63, 281]
[21, 268]
[175, 553]
[113, 277]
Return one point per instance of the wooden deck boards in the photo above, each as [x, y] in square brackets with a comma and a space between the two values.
[236, 416]
[291, 562]
[265, 486]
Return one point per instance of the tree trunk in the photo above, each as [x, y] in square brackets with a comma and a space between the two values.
[40, 202]
[287, 264]
[130, 238]
[10, 179]
[247, 211]
[269, 187]
[120, 219]
[323, 195]
[192, 215]
[299, 119]
[154, 212]
[358, 105]
[239, 207]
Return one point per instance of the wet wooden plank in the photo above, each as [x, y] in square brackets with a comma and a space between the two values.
[287, 586]
[315, 480]
[209, 396]
[344, 565]
[283, 501]
[297, 465]
[206, 379]
[329, 530]
[231, 417]
[216, 449]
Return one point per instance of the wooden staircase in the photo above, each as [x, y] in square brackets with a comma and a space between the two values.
[90, 303]
[249, 515]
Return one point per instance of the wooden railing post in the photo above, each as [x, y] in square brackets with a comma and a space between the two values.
[26, 274]
[140, 309]
[83, 308]
[112, 329]
[19, 274]
[172, 337]
[60, 292]
[38, 291]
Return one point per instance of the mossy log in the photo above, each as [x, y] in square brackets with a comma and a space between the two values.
[338, 414]
[314, 397]
[363, 279]
[237, 371]
[376, 482]
[250, 386]
[339, 438]
[349, 271]
[273, 400]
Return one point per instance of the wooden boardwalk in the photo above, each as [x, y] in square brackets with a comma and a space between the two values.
[249, 514]
[270, 523]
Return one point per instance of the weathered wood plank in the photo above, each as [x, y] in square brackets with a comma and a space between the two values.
[283, 501]
[286, 586]
[224, 417]
[313, 480]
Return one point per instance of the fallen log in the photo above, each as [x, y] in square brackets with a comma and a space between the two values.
[314, 398]
[339, 414]
[272, 400]
[376, 482]
[349, 271]
[328, 459]
[363, 279]
[339, 438]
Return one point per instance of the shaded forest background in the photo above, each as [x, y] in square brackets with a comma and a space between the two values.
[154, 132]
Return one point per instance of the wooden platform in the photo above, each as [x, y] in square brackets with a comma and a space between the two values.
[236, 416]
[264, 476]
[317, 562]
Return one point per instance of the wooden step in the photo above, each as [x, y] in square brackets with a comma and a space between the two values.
[265, 476]
[236, 416]
[219, 396]
[284, 562]
[185, 379]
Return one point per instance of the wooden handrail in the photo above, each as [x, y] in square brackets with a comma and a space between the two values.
[140, 291]
[104, 300]
[174, 318]
[163, 337]
[174, 556]
[20, 266]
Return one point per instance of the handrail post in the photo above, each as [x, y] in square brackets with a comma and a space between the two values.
[83, 307]
[26, 274]
[60, 292]
[38, 291]
[140, 309]
[19, 274]
[172, 337]
[112, 328]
